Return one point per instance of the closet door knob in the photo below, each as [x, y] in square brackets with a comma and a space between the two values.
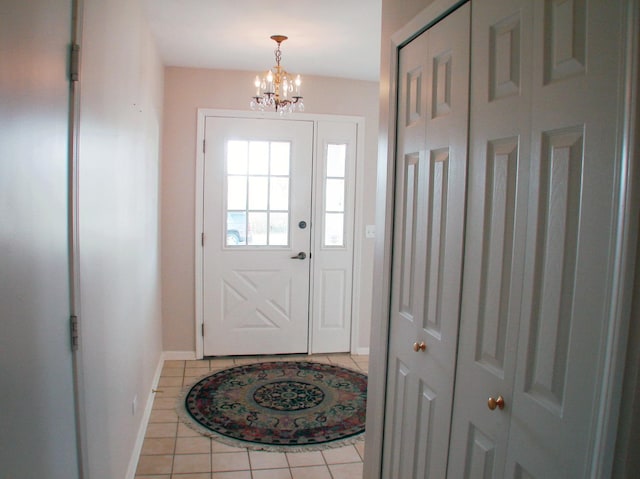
[493, 403]
[421, 346]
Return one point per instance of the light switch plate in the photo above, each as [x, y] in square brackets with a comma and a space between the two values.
[370, 231]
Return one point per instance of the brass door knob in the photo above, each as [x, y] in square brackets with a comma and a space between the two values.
[421, 346]
[493, 403]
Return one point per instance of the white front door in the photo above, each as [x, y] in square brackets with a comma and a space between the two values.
[257, 240]
[427, 250]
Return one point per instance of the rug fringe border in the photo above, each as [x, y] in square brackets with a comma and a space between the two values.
[187, 420]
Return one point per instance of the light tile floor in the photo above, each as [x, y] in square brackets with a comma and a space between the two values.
[171, 450]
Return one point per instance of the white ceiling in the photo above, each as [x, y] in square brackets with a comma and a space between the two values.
[338, 38]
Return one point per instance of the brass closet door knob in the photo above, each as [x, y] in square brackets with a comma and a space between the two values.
[493, 403]
[421, 346]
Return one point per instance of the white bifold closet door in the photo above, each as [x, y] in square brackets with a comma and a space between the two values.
[517, 315]
[429, 218]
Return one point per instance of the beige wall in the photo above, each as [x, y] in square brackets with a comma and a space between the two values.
[186, 90]
[121, 338]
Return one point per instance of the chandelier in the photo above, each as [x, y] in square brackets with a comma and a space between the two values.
[276, 88]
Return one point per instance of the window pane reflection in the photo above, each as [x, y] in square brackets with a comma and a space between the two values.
[279, 229]
[259, 158]
[279, 194]
[258, 229]
[334, 198]
[237, 192]
[258, 192]
[236, 228]
[237, 156]
[334, 229]
[336, 155]
[258, 189]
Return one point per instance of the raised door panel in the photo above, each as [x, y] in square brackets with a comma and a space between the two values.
[567, 279]
[430, 184]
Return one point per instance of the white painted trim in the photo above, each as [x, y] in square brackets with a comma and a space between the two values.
[180, 356]
[626, 240]
[422, 21]
[203, 113]
[199, 226]
[358, 237]
[142, 429]
[312, 245]
[361, 352]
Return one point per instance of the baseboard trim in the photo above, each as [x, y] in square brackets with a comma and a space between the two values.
[362, 351]
[137, 448]
[179, 355]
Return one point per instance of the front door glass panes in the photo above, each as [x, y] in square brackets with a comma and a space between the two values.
[257, 182]
[334, 195]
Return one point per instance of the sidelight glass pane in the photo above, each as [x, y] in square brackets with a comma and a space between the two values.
[334, 195]
[334, 229]
[279, 229]
[258, 192]
[237, 156]
[259, 158]
[280, 153]
[236, 192]
[336, 157]
[279, 194]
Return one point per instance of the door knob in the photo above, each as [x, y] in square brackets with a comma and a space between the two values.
[300, 255]
[421, 346]
[493, 403]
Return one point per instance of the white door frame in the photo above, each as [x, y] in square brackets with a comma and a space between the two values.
[359, 226]
[623, 264]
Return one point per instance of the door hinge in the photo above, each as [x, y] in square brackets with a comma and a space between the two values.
[204, 147]
[202, 329]
[74, 64]
[202, 239]
[73, 329]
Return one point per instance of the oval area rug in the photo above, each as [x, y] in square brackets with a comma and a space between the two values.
[278, 406]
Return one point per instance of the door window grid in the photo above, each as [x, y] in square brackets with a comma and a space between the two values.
[334, 195]
[258, 185]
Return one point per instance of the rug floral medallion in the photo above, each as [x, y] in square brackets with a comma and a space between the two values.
[279, 406]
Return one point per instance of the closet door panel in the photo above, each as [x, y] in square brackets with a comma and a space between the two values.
[569, 249]
[495, 234]
[430, 187]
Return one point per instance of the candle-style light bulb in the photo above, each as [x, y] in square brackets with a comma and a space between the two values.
[270, 82]
[257, 85]
[298, 83]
